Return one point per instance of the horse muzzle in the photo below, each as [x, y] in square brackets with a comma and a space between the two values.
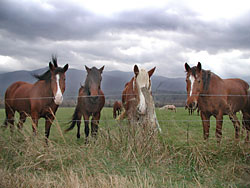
[192, 105]
[141, 110]
[58, 99]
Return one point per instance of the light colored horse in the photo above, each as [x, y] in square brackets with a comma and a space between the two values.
[138, 101]
[169, 107]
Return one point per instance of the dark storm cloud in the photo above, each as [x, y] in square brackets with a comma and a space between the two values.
[63, 21]
[30, 30]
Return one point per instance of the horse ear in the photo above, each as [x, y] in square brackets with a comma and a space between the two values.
[199, 67]
[187, 67]
[51, 66]
[101, 69]
[136, 70]
[87, 69]
[150, 73]
[65, 68]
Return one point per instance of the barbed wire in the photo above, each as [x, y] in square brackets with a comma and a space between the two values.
[114, 120]
[154, 95]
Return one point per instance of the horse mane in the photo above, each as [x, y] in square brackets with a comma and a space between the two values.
[206, 77]
[47, 75]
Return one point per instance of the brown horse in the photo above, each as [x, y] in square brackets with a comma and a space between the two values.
[191, 111]
[137, 99]
[117, 109]
[39, 100]
[90, 102]
[216, 97]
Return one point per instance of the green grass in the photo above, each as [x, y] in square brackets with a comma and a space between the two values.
[120, 157]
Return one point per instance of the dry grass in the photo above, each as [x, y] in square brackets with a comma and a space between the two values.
[120, 157]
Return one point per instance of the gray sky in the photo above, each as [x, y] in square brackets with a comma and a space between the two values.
[119, 34]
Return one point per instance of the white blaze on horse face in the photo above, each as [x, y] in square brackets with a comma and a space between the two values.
[142, 80]
[58, 97]
[191, 78]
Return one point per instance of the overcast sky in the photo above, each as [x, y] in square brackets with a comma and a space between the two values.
[119, 34]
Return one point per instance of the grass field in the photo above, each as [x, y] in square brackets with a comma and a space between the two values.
[119, 157]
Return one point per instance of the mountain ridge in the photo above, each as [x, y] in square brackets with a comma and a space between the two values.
[113, 81]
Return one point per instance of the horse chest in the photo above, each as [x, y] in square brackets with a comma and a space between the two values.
[92, 107]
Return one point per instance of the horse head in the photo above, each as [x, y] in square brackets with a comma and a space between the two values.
[93, 82]
[194, 84]
[142, 83]
[57, 80]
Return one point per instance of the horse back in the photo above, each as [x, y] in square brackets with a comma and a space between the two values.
[17, 94]
[237, 91]
[236, 86]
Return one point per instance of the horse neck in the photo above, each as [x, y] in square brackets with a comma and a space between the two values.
[44, 88]
[216, 84]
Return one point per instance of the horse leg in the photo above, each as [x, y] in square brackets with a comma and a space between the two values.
[122, 116]
[22, 120]
[246, 124]
[10, 114]
[219, 122]
[48, 121]
[78, 123]
[94, 124]
[236, 124]
[247, 136]
[206, 125]
[86, 129]
[34, 116]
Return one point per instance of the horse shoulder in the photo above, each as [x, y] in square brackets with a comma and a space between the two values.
[102, 98]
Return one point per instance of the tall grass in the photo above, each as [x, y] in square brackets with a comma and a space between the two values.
[123, 156]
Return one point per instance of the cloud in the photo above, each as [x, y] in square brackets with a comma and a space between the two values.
[166, 37]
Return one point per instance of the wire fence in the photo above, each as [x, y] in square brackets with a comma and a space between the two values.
[154, 95]
[162, 121]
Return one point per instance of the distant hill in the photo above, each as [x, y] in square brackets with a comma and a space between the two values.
[112, 83]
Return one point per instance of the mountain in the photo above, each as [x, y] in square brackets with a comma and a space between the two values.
[112, 82]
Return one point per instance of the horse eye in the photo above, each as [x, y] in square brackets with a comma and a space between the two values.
[199, 81]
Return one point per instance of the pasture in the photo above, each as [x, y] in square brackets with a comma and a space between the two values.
[120, 157]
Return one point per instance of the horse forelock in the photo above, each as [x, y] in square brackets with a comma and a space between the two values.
[54, 60]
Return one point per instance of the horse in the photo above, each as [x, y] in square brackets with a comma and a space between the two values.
[137, 99]
[117, 108]
[38, 100]
[216, 97]
[90, 102]
[191, 111]
[169, 107]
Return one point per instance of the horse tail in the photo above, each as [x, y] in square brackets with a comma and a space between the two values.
[76, 117]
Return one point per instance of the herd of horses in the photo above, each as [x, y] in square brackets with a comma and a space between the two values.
[206, 91]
